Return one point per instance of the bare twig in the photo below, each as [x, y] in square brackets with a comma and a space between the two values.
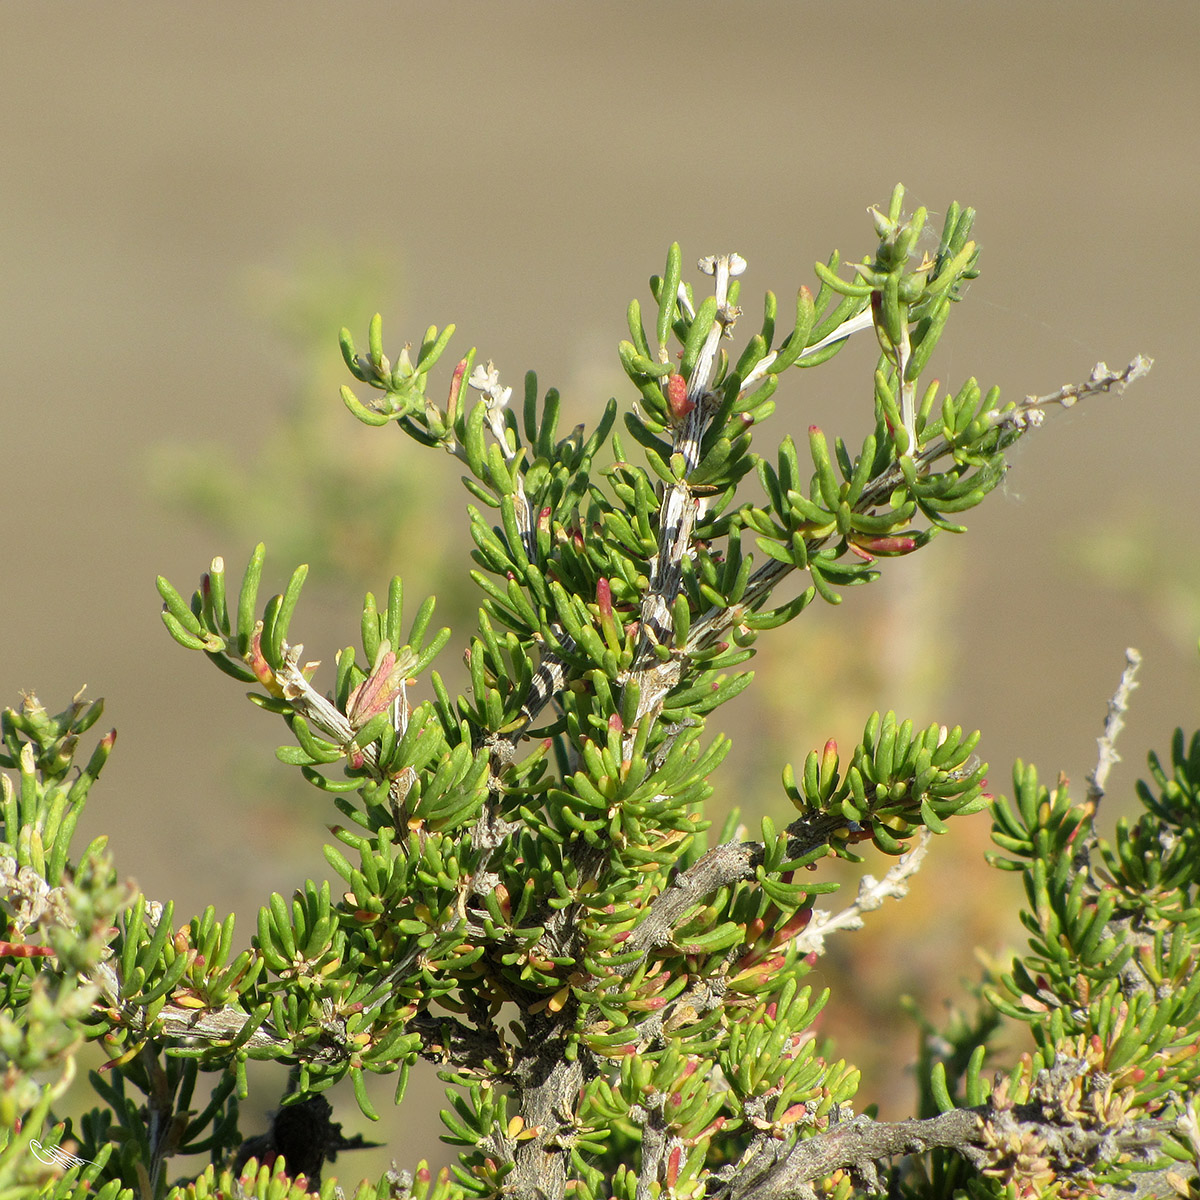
[1026, 414]
[1114, 721]
[1122, 931]
[1023, 415]
[1102, 379]
[872, 893]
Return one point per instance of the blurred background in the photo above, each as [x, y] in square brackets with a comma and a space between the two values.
[195, 198]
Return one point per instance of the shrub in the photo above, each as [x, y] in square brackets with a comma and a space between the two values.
[529, 891]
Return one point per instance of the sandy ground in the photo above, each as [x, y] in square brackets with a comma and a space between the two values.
[520, 169]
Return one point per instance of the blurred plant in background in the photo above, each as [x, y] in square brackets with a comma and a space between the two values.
[528, 893]
[1132, 555]
[317, 492]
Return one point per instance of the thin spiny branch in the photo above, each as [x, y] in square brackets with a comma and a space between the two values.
[1114, 722]
[872, 893]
